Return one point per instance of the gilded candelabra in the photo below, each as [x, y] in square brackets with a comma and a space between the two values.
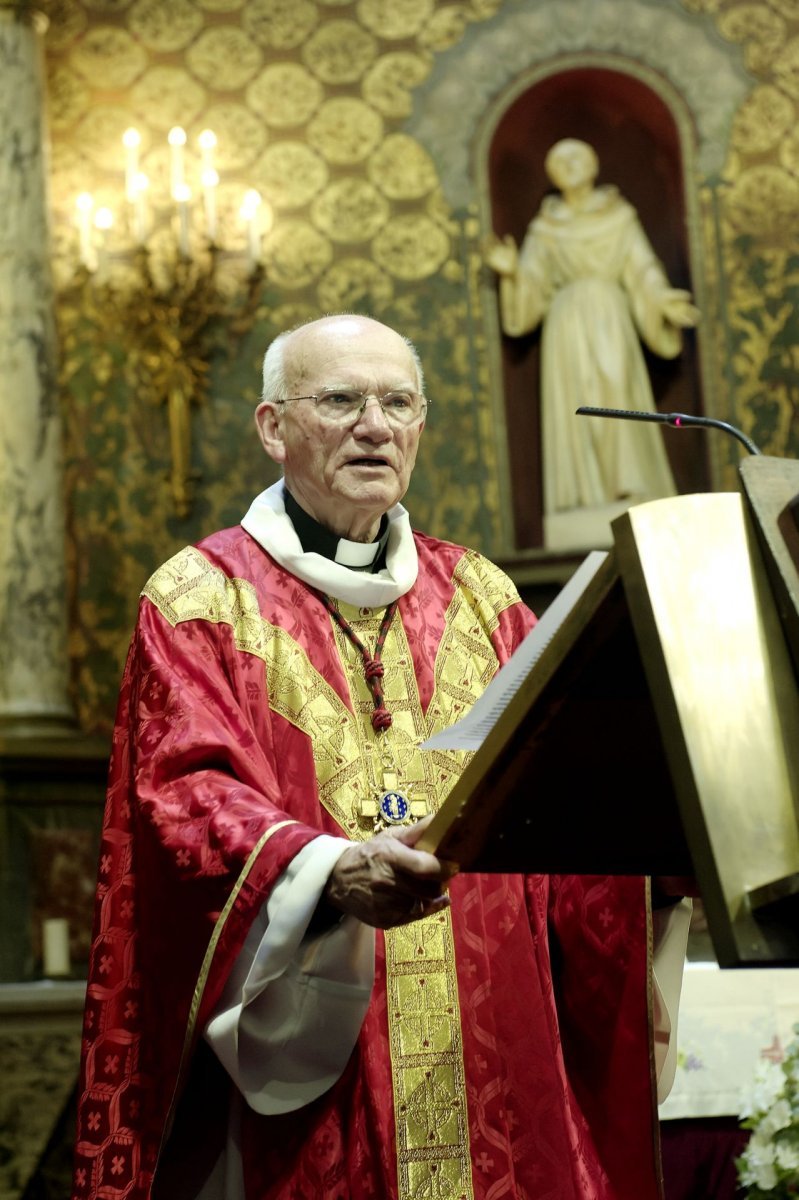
[168, 330]
[165, 307]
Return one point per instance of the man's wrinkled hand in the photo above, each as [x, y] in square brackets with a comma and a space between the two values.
[386, 882]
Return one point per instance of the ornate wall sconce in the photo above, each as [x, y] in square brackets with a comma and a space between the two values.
[163, 298]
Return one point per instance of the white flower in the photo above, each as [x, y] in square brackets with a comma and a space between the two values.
[788, 1156]
[759, 1151]
[766, 1088]
[766, 1177]
[778, 1117]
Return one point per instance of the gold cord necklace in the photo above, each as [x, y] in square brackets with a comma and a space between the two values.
[390, 806]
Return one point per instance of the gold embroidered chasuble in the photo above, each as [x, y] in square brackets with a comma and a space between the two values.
[424, 1018]
[243, 733]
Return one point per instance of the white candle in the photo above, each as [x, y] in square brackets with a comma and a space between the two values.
[131, 140]
[182, 198]
[103, 220]
[207, 143]
[141, 184]
[177, 141]
[85, 207]
[210, 179]
[55, 947]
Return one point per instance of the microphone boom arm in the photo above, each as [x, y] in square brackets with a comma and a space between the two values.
[676, 420]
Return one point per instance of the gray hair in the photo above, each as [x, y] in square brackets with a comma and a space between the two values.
[275, 375]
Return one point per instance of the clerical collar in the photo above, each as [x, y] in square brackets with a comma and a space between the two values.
[315, 539]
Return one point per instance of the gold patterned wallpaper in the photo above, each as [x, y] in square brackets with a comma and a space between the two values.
[309, 100]
[759, 228]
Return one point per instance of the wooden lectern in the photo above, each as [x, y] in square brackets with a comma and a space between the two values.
[658, 731]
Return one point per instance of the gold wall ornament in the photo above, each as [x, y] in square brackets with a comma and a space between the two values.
[224, 56]
[763, 120]
[169, 323]
[280, 24]
[291, 173]
[345, 130]
[165, 96]
[165, 28]
[340, 51]
[350, 209]
[763, 200]
[285, 95]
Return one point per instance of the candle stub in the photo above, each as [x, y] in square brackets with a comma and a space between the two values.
[55, 947]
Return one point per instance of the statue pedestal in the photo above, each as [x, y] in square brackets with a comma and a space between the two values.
[583, 528]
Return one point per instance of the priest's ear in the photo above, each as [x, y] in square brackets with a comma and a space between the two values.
[267, 420]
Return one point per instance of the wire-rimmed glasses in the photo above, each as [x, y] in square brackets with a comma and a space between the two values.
[343, 406]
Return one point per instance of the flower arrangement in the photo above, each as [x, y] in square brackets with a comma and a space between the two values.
[769, 1165]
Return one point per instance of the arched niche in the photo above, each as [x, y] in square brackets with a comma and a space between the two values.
[641, 150]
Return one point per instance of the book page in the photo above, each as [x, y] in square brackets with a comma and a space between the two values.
[471, 731]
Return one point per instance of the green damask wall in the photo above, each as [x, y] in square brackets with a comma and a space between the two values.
[311, 101]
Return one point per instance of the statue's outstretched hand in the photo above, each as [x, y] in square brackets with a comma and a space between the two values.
[678, 308]
[502, 256]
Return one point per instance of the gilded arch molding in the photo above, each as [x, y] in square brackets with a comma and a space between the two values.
[678, 54]
[687, 56]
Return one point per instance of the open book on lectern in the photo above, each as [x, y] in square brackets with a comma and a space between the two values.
[567, 772]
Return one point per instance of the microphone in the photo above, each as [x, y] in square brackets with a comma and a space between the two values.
[677, 420]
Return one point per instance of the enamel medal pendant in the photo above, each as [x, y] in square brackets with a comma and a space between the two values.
[393, 808]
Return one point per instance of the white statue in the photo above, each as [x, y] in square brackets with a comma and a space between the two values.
[586, 269]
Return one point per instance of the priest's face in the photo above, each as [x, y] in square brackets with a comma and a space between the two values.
[346, 475]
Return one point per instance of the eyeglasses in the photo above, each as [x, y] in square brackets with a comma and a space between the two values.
[343, 406]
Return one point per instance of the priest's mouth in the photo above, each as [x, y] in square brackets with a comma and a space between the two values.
[367, 462]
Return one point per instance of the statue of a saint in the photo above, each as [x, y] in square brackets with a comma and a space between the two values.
[586, 269]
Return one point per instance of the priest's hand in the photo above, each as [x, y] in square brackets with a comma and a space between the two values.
[386, 882]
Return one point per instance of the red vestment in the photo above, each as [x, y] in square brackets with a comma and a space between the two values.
[234, 748]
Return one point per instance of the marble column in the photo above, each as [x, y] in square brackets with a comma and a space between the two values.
[33, 613]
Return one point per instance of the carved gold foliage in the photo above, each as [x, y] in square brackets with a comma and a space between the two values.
[241, 134]
[350, 210]
[285, 94]
[100, 133]
[354, 284]
[758, 27]
[280, 24]
[340, 51]
[69, 98]
[765, 333]
[789, 152]
[786, 67]
[345, 130]
[402, 169]
[165, 27]
[166, 96]
[412, 246]
[391, 20]
[289, 173]
[297, 253]
[763, 120]
[389, 83]
[445, 27]
[67, 22]
[762, 200]
[788, 8]
[109, 57]
[224, 57]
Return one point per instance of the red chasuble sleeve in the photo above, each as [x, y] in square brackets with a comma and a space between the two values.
[193, 841]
